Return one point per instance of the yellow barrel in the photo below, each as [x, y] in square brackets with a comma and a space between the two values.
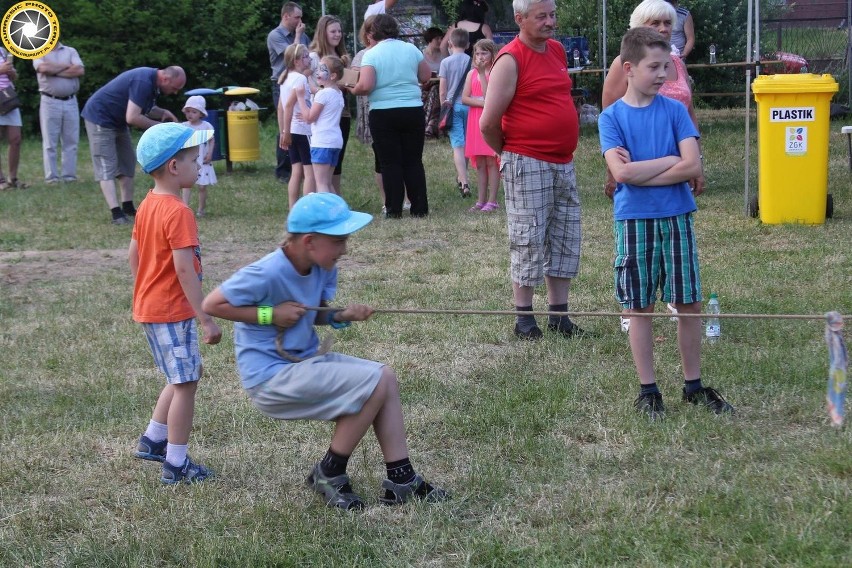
[793, 118]
[243, 136]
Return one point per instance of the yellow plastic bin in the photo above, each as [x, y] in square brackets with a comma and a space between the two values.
[243, 128]
[243, 136]
[793, 118]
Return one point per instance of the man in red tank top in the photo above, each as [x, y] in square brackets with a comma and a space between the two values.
[529, 119]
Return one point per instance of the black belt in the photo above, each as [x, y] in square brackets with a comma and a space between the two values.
[69, 97]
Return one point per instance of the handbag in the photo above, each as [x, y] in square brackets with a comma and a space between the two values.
[9, 100]
[445, 122]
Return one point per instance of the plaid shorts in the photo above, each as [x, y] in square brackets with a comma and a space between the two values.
[656, 254]
[112, 152]
[175, 349]
[543, 209]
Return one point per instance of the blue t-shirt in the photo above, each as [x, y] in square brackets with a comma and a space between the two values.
[648, 133]
[268, 282]
[395, 63]
[108, 106]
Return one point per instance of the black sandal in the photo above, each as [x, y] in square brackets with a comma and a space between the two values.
[465, 191]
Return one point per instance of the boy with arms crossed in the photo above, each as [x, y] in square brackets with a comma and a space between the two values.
[650, 145]
[165, 262]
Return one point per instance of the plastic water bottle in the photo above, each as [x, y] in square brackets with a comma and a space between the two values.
[714, 328]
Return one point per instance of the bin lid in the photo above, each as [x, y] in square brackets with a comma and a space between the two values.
[242, 91]
[795, 83]
[203, 91]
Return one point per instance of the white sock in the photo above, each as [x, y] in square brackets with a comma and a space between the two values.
[156, 432]
[175, 454]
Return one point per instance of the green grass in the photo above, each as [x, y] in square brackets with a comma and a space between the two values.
[547, 464]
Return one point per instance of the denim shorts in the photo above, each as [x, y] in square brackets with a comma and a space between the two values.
[656, 254]
[175, 349]
[459, 125]
[327, 156]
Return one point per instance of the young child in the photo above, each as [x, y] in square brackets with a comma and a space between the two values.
[483, 158]
[195, 109]
[294, 130]
[651, 147]
[165, 262]
[451, 78]
[324, 118]
[289, 376]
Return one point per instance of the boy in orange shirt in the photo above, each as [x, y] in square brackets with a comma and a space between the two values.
[165, 262]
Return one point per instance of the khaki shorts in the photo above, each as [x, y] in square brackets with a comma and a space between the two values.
[112, 152]
[324, 387]
[543, 210]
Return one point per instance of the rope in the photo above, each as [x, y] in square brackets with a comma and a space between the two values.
[582, 314]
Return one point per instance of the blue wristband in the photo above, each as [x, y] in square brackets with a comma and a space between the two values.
[337, 324]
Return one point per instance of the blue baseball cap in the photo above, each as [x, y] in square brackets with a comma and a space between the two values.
[162, 141]
[327, 214]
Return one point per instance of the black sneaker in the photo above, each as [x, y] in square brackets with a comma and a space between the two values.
[650, 404]
[397, 494]
[533, 334]
[569, 329]
[335, 491]
[710, 399]
[123, 220]
[129, 210]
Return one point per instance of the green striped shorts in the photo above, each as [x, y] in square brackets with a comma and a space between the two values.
[656, 254]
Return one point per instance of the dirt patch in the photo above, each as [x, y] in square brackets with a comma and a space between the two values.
[24, 268]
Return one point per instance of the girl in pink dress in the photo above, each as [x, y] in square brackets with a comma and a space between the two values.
[483, 158]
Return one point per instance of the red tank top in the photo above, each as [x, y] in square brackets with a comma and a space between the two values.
[541, 121]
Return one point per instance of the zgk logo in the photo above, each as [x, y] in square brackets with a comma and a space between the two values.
[30, 30]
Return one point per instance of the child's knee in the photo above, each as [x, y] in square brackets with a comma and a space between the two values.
[389, 381]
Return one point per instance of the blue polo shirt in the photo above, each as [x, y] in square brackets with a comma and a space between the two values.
[108, 106]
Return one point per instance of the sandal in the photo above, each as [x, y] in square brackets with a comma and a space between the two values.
[4, 185]
[490, 206]
[465, 191]
[460, 187]
[15, 184]
[476, 207]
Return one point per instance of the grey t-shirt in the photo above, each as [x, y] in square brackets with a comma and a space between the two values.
[453, 70]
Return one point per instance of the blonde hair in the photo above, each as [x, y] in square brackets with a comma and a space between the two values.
[334, 64]
[486, 45]
[651, 9]
[291, 54]
[320, 44]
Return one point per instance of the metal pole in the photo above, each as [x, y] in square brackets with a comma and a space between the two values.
[849, 52]
[604, 62]
[354, 31]
[323, 7]
[748, 108]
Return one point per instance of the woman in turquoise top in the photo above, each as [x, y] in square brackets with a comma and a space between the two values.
[391, 74]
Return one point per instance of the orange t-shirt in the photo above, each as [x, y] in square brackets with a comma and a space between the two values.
[163, 224]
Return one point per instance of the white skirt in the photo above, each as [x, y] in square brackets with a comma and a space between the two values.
[206, 175]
